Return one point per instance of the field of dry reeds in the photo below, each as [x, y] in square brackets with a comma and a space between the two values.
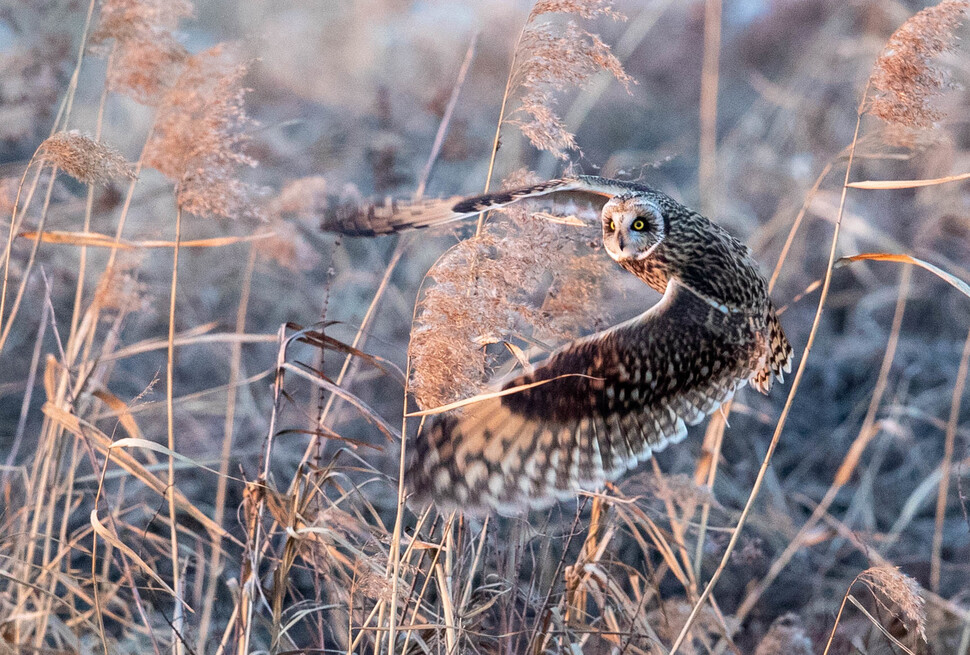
[203, 396]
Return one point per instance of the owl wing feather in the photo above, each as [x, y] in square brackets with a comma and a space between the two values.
[607, 402]
[390, 215]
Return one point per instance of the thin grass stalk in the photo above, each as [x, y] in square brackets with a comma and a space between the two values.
[796, 382]
[15, 226]
[64, 114]
[677, 525]
[466, 594]
[838, 617]
[31, 260]
[401, 244]
[352, 648]
[394, 555]
[28, 396]
[88, 211]
[126, 206]
[30, 524]
[879, 626]
[81, 49]
[396, 255]
[545, 607]
[716, 430]
[63, 543]
[227, 633]
[866, 433]
[445, 574]
[95, 580]
[576, 593]
[46, 464]
[359, 337]
[39, 617]
[251, 588]
[235, 361]
[797, 223]
[170, 416]
[498, 128]
[412, 624]
[707, 164]
[439, 137]
[936, 560]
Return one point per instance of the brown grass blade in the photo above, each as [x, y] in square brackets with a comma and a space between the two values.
[78, 239]
[962, 286]
[94, 239]
[131, 442]
[120, 408]
[879, 625]
[102, 444]
[907, 184]
[112, 539]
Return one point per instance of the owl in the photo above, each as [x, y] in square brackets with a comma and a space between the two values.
[598, 406]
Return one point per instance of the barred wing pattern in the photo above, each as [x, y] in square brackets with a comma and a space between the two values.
[609, 401]
[390, 215]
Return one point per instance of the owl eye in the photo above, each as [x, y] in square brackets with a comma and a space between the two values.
[639, 225]
[612, 226]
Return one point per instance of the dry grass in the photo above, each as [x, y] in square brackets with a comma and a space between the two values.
[186, 469]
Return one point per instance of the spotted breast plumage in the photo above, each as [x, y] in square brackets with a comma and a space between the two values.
[607, 401]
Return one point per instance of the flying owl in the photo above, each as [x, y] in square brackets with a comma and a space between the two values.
[605, 402]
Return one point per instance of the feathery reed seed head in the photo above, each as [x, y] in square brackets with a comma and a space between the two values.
[146, 57]
[520, 275]
[199, 135]
[901, 590]
[119, 288]
[585, 8]
[552, 58]
[86, 160]
[903, 77]
[301, 200]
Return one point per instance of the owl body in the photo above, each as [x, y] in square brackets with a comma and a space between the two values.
[601, 404]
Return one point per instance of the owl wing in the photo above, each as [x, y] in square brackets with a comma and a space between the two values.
[388, 216]
[606, 403]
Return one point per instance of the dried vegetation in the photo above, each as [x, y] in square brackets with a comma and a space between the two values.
[270, 520]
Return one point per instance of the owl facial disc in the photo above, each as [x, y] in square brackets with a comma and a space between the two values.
[632, 227]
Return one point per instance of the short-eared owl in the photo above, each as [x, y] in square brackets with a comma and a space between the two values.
[610, 399]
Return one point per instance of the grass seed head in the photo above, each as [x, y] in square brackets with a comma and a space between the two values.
[199, 136]
[146, 57]
[550, 58]
[904, 77]
[85, 159]
[119, 288]
[901, 590]
[519, 276]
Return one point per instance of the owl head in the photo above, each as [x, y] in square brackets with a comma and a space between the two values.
[633, 226]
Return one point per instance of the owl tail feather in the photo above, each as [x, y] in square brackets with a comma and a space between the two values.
[779, 358]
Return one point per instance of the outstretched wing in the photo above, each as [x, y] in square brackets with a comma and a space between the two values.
[389, 215]
[608, 401]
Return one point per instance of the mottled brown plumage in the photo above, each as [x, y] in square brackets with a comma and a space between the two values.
[609, 400]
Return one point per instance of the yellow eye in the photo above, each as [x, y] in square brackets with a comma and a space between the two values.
[638, 225]
[612, 226]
